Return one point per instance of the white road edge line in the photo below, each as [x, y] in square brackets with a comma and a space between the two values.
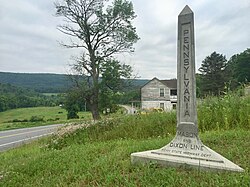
[39, 127]
[28, 132]
[25, 139]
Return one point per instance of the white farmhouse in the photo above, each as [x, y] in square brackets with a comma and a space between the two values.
[159, 94]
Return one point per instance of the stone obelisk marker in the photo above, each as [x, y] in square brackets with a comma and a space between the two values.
[186, 149]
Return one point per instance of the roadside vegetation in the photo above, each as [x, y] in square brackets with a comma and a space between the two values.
[99, 154]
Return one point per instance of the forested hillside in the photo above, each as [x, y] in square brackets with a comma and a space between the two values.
[45, 82]
[16, 97]
[40, 82]
[18, 90]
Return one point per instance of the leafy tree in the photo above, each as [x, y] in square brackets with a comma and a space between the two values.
[213, 75]
[198, 85]
[114, 74]
[72, 109]
[74, 101]
[101, 31]
[114, 79]
[130, 95]
[3, 103]
[238, 68]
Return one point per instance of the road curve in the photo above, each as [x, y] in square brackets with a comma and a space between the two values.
[17, 137]
[129, 109]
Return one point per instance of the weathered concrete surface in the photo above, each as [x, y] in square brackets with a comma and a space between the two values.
[165, 160]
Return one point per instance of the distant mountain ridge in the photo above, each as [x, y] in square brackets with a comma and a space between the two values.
[45, 82]
[40, 82]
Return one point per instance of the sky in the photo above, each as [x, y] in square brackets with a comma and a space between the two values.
[29, 38]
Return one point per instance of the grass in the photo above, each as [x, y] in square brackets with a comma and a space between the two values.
[100, 154]
[107, 163]
[228, 112]
[50, 115]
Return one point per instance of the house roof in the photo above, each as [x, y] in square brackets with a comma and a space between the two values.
[172, 83]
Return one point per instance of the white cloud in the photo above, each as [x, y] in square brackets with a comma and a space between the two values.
[28, 35]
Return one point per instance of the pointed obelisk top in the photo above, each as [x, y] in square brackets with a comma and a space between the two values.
[186, 10]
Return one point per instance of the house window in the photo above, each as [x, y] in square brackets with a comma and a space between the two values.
[161, 92]
[173, 92]
[174, 106]
[162, 106]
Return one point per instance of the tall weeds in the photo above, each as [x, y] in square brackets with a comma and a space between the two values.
[134, 127]
[223, 113]
[214, 113]
[125, 127]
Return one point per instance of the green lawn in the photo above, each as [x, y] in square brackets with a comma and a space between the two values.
[50, 115]
[107, 163]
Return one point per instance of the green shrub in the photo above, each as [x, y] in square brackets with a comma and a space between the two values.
[72, 115]
[19, 120]
[36, 118]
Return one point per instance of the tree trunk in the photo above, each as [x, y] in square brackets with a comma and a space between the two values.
[95, 111]
[94, 103]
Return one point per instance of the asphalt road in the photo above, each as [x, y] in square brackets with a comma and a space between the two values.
[129, 109]
[14, 138]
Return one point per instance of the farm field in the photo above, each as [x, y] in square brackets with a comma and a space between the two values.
[28, 117]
